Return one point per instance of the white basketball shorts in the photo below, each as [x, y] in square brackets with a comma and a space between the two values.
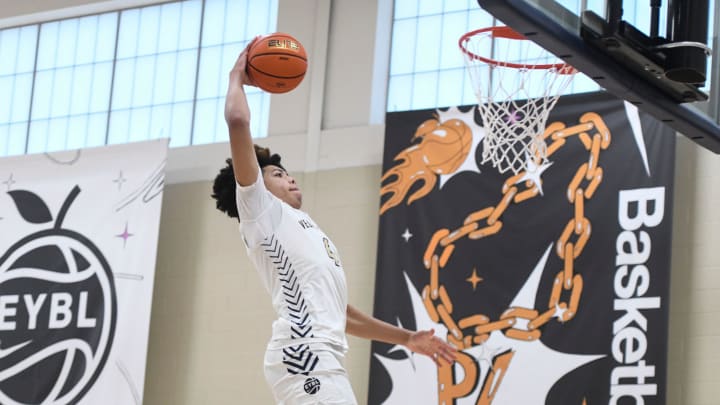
[308, 375]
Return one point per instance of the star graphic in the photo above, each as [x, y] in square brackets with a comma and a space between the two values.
[513, 116]
[9, 182]
[487, 354]
[532, 361]
[406, 235]
[474, 279]
[533, 172]
[125, 235]
[633, 116]
[120, 180]
[559, 312]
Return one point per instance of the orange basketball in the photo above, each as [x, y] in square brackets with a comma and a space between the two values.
[277, 63]
[445, 145]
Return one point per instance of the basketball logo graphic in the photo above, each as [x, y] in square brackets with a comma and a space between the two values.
[312, 385]
[58, 305]
[443, 147]
[446, 144]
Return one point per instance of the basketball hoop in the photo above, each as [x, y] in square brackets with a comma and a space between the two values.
[516, 92]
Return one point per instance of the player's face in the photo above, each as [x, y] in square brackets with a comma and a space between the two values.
[282, 185]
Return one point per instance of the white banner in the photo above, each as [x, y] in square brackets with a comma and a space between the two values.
[78, 243]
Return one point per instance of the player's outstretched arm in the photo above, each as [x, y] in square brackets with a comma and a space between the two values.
[237, 117]
[424, 342]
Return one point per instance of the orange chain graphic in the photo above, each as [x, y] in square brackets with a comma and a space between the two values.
[567, 287]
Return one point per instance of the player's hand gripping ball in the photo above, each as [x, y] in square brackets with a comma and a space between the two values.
[277, 63]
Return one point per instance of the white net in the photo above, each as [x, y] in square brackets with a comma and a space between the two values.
[516, 92]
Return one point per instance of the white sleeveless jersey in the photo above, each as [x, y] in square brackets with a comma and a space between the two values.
[299, 266]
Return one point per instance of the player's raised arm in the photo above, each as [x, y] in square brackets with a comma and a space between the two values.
[237, 116]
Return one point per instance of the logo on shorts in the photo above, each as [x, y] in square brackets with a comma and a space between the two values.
[312, 385]
[57, 310]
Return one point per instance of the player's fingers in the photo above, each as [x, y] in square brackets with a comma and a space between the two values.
[449, 358]
[446, 346]
[446, 357]
[436, 359]
[241, 61]
[238, 71]
[444, 350]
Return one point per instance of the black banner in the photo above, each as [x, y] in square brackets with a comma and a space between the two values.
[553, 283]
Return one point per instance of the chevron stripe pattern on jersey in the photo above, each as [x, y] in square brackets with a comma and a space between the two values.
[299, 359]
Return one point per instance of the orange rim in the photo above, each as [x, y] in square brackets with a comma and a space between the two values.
[508, 33]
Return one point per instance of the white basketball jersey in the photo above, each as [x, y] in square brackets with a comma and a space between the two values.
[299, 266]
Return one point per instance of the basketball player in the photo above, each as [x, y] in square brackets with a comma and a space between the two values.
[300, 267]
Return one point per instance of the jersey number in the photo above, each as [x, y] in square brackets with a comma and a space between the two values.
[331, 253]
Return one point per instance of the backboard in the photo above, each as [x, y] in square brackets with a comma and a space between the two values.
[651, 54]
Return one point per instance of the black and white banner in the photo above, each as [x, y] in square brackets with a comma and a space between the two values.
[78, 243]
[553, 282]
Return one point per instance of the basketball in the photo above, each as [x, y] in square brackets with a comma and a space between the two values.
[445, 145]
[277, 63]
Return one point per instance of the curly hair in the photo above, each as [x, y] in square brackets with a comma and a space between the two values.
[224, 185]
